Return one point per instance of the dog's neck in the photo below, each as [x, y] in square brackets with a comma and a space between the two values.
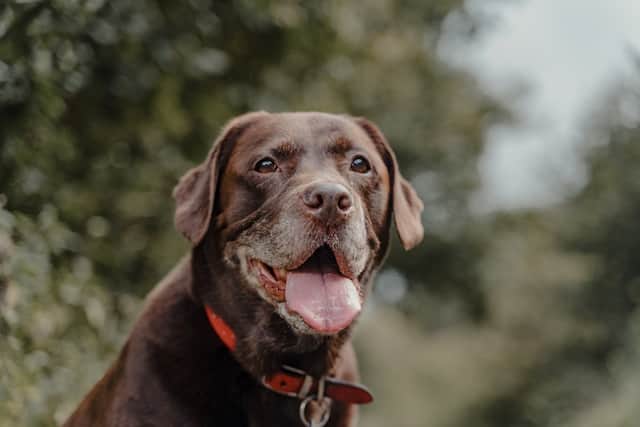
[264, 341]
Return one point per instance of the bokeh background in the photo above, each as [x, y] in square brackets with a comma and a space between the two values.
[517, 122]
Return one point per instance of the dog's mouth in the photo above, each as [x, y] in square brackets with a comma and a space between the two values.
[317, 291]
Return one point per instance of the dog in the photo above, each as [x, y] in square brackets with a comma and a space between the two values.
[289, 219]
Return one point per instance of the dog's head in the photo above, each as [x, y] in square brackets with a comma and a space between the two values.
[299, 206]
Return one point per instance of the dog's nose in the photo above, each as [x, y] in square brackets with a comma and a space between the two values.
[328, 201]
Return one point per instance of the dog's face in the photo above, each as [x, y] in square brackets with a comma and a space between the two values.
[300, 205]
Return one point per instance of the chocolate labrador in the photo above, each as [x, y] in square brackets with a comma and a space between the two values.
[288, 218]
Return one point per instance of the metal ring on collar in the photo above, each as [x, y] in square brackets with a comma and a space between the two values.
[302, 411]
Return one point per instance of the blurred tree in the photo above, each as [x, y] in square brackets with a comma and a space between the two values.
[107, 103]
[104, 104]
[584, 326]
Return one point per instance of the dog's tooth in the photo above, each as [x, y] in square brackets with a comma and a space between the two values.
[276, 291]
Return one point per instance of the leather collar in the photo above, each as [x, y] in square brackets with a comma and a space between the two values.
[293, 382]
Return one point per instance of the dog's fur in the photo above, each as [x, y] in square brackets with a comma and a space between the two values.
[174, 370]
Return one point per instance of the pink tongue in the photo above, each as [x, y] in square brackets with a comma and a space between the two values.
[327, 302]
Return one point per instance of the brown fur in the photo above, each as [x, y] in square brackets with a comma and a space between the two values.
[173, 369]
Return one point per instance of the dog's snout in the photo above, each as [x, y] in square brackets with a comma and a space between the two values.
[327, 201]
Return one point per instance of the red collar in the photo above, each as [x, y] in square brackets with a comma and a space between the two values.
[222, 329]
[294, 382]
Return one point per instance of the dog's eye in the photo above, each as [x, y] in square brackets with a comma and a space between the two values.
[266, 165]
[360, 164]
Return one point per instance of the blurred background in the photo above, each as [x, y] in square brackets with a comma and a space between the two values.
[517, 122]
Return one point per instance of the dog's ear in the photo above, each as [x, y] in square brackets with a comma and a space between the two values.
[196, 190]
[406, 205]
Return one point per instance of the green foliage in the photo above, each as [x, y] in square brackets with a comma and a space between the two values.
[104, 105]
[525, 319]
[59, 328]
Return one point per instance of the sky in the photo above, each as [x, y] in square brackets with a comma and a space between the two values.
[565, 54]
